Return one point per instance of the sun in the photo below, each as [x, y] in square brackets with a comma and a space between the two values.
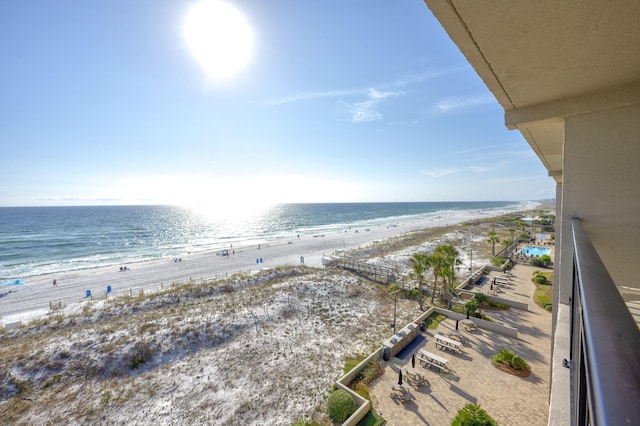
[219, 38]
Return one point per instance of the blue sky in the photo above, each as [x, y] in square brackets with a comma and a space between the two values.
[340, 101]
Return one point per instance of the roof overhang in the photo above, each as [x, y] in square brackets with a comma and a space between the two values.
[546, 60]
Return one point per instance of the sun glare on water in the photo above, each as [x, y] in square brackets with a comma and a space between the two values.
[219, 37]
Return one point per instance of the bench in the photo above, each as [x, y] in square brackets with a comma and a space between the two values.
[433, 360]
[446, 343]
[428, 363]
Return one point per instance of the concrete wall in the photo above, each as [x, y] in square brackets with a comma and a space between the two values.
[487, 325]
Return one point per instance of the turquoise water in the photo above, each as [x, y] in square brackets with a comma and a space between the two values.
[535, 251]
[42, 240]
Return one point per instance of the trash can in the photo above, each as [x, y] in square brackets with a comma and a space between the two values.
[423, 326]
[385, 353]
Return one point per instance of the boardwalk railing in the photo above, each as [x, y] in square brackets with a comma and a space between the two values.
[377, 273]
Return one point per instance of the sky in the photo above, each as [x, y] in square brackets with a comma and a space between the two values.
[105, 102]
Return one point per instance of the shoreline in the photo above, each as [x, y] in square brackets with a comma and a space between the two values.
[33, 300]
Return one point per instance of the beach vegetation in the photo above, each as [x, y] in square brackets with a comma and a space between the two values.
[472, 415]
[340, 406]
[140, 354]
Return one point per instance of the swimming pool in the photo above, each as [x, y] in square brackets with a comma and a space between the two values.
[535, 251]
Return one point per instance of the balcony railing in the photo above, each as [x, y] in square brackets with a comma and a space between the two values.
[605, 343]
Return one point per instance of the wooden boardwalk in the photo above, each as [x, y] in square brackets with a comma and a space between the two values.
[381, 274]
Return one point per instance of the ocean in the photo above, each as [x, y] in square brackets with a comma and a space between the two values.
[43, 240]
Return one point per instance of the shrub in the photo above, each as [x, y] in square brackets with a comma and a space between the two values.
[498, 261]
[479, 298]
[140, 354]
[362, 389]
[545, 258]
[471, 306]
[372, 371]
[517, 363]
[340, 406]
[472, 415]
[505, 356]
[349, 365]
[537, 262]
[414, 293]
[540, 279]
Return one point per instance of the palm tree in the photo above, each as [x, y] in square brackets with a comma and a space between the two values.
[493, 239]
[523, 225]
[513, 232]
[438, 265]
[451, 258]
[419, 265]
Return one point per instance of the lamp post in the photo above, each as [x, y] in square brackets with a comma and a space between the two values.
[395, 300]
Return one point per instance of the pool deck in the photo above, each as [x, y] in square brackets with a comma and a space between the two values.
[471, 378]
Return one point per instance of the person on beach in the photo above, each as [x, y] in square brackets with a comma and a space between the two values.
[55, 283]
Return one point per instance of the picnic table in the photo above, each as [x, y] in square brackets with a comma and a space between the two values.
[446, 343]
[457, 335]
[401, 393]
[467, 324]
[432, 360]
[401, 389]
[416, 379]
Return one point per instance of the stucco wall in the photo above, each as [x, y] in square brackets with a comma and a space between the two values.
[601, 185]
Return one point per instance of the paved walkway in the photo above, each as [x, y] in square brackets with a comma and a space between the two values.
[510, 400]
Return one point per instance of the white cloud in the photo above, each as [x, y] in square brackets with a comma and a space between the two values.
[364, 111]
[457, 103]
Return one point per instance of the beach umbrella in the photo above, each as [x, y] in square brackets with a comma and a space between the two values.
[413, 361]
[456, 324]
[400, 378]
